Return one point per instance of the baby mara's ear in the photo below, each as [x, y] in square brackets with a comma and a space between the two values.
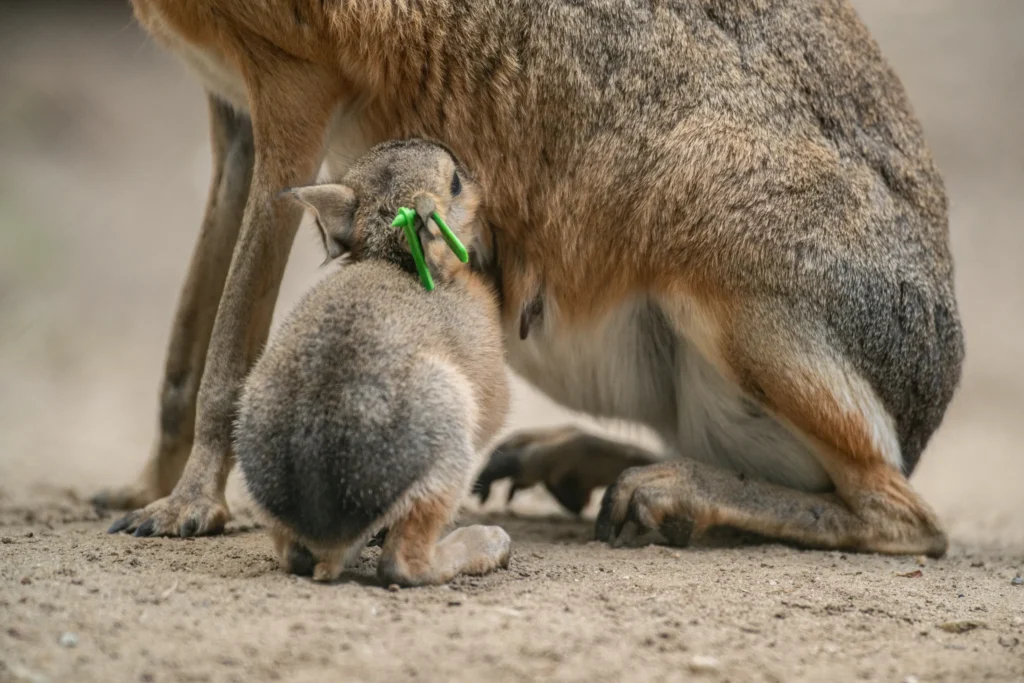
[333, 207]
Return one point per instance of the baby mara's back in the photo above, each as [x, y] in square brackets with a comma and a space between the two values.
[369, 386]
[370, 402]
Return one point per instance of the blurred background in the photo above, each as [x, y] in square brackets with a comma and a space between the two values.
[104, 165]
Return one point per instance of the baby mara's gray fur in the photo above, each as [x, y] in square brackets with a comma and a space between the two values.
[375, 396]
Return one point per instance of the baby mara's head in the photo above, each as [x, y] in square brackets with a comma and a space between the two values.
[354, 217]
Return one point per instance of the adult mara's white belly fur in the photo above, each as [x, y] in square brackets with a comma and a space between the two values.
[620, 367]
[633, 365]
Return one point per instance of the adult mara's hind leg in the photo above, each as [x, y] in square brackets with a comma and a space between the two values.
[799, 378]
[232, 143]
[570, 462]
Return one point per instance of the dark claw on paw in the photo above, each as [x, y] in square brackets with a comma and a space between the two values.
[189, 528]
[677, 531]
[146, 529]
[503, 464]
[603, 527]
[122, 524]
[378, 540]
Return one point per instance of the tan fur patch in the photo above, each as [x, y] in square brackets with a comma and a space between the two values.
[411, 541]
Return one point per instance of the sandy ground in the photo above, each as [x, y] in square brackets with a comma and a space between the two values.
[103, 167]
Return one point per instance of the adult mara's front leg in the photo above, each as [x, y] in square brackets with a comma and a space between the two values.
[231, 138]
[568, 461]
[290, 105]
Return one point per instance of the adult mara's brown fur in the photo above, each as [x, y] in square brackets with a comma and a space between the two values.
[715, 217]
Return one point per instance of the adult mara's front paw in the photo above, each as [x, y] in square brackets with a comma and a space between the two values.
[178, 514]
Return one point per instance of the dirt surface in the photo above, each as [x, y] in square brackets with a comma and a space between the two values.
[103, 168]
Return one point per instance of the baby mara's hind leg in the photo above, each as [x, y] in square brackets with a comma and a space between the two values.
[570, 462]
[325, 564]
[292, 556]
[812, 388]
[413, 555]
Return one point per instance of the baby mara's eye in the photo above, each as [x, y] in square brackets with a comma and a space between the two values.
[456, 184]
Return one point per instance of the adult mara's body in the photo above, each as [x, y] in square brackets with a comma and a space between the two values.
[718, 218]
